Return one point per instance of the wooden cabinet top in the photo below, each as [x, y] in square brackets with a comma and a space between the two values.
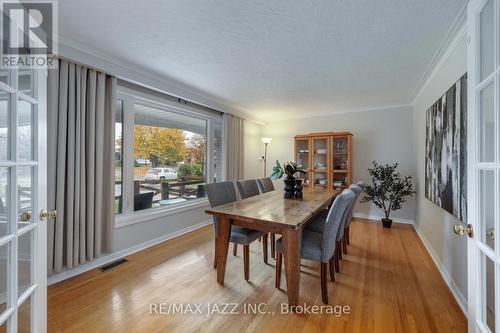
[322, 134]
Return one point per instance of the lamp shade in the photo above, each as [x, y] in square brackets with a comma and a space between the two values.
[266, 140]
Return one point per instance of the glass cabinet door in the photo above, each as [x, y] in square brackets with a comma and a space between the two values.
[302, 159]
[340, 154]
[340, 162]
[320, 162]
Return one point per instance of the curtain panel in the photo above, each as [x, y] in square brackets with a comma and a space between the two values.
[81, 135]
[234, 142]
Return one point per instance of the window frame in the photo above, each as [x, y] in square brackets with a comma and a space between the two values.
[130, 97]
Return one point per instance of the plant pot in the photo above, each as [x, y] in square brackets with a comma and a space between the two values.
[386, 223]
[289, 188]
[298, 189]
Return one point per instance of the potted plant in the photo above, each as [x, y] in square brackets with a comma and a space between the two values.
[289, 169]
[388, 190]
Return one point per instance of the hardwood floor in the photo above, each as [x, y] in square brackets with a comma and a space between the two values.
[387, 279]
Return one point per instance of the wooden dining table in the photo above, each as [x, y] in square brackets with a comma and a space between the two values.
[270, 212]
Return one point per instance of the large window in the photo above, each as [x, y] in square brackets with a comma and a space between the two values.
[170, 157]
[165, 153]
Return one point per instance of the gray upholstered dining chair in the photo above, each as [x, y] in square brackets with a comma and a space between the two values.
[357, 189]
[223, 193]
[247, 188]
[265, 185]
[342, 240]
[321, 247]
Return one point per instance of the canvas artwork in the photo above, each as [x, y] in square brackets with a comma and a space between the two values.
[446, 151]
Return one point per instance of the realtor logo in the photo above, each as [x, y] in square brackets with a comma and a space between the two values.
[28, 33]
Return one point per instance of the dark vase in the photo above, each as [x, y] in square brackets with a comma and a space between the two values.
[386, 223]
[289, 188]
[298, 189]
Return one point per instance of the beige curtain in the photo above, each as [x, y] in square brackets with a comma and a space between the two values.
[234, 139]
[81, 127]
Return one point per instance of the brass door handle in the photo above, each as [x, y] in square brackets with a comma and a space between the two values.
[490, 233]
[462, 229]
[51, 214]
[25, 217]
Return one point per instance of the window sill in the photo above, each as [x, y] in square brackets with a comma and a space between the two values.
[124, 220]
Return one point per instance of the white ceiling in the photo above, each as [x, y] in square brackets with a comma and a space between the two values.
[272, 58]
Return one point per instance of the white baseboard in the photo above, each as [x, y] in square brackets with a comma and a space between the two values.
[378, 217]
[123, 253]
[459, 297]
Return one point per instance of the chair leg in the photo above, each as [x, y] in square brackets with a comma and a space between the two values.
[246, 259]
[339, 249]
[235, 249]
[215, 255]
[344, 245]
[264, 248]
[273, 245]
[324, 285]
[279, 260]
[332, 270]
[337, 265]
[347, 236]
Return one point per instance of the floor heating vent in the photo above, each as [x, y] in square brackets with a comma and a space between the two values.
[112, 265]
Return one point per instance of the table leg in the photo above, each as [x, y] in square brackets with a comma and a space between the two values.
[224, 231]
[292, 242]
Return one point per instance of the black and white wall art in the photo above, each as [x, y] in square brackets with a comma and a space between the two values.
[446, 151]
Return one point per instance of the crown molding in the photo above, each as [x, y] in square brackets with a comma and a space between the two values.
[345, 111]
[455, 35]
[86, 55]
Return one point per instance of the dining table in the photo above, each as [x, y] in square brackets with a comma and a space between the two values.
[271, 212]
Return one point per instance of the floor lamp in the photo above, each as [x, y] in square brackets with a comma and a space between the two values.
[266, 141]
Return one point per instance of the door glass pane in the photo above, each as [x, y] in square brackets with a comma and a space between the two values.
[4, 202]
[487, 125]
[4, 122]
[488, 289]
[24, 195]
[25, 82]
[119, 157]
[4, 75]
[25, 278]
[487, 206]
[25, 130]
[4, 255]
[24, 317]
[487, 45]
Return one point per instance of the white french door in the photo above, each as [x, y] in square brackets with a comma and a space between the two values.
[23, 236]
[483, 19]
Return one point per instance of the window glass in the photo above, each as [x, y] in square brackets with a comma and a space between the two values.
[119, 157]
[169, 157]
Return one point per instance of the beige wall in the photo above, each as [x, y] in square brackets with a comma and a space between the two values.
[254, 150]
[382, 135]
[435, 223]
